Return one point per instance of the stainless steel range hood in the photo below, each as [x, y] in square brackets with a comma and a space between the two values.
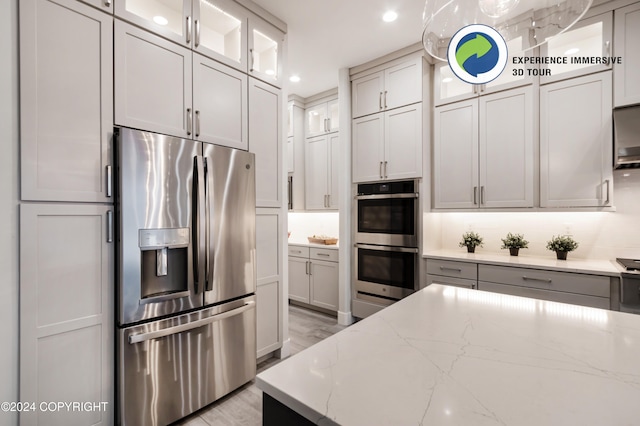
[626, 148]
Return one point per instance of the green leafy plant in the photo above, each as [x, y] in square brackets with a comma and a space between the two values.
[562, 243]
[471, 239]
[515, 241]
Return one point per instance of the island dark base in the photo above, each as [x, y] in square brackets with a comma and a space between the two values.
[275, 413]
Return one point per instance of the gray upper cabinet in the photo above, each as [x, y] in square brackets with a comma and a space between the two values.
[397, 85]
[265, 119]
[66, 106]
[152, 82]
[219, 29]
[626, 76]
[220, 104]
[105, 5]
[576, 144]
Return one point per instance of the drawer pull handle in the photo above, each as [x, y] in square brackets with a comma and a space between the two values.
[544, 280]
[444, 268]
[324, 254]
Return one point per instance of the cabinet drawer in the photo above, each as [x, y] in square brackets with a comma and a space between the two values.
[549, 280]
[299, 251]
[451, 268]
[456, 282]
[554, 296]
[324, 254]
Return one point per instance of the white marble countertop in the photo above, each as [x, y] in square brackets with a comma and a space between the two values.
[585, 266]
[306, 243]
[448, 355]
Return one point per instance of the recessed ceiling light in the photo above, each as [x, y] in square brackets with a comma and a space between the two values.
[294, 79]
[389, 16]
[160, 20]
[270, 72]
[572, 51]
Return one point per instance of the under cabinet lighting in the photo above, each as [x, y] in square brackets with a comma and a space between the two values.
[294, 79]
[572, 51]
[160, 20]
[269, 72]
[447, 80]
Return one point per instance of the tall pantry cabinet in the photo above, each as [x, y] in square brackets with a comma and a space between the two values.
[82, 71]
[66, 210]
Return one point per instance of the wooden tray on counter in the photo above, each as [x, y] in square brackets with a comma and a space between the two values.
[325, 241]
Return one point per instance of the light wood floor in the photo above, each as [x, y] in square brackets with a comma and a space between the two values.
[243, 407]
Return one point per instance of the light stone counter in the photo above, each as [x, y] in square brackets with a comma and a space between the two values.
[584, 266]
[305, 243]
[448, 355]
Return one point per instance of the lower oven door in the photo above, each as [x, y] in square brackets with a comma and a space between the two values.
[170, 368]
[385, 274]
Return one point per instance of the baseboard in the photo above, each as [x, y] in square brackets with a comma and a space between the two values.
[345, 318]
[284, 351]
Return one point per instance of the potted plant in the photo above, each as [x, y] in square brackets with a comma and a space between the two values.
[514, 242]
[471, 240]
[562, 244]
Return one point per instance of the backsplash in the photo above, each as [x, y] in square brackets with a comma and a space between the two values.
[601, 235]
[306, 224]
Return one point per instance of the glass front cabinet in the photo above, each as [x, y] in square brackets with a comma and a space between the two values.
[219, 29]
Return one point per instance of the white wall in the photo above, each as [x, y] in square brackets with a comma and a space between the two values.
[9, 207]
[601, 235]
[306, 224]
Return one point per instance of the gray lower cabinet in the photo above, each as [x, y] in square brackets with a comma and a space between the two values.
[313, 276]
[448, 272]
[578, 289]
[66, 311]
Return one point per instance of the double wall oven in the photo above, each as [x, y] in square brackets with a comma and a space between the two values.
[387, 234]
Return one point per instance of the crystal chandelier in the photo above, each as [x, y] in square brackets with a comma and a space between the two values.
[535, 21]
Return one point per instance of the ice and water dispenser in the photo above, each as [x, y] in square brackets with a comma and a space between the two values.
[164, 263]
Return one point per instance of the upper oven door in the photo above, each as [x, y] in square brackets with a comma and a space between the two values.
[389, 219]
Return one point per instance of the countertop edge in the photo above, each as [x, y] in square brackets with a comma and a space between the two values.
[528, 262]
[314, 245]
[292, 403]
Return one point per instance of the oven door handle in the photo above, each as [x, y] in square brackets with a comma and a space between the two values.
[385, 196]
[387, 248]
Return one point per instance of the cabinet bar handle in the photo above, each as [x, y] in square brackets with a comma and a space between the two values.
[385, 99]
[444, 268]
[109, 226]
[197, 123]
[107, 3]
[544, 280]
[197, 40]
[109, 180]
[310, 268]
[607, 47]
[380, 101]
[607, 200]
[329, 200]
[296, 251]
[189, 124]
[328, 124]
[188, 29]
[252, 60]
[385, 170]
[475, 195]
[306, 268]
[482, 194]
[323, 254]
[380, 170]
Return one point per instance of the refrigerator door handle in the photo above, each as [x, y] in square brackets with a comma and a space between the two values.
[209, 262]
[198, 216]
[142, 337]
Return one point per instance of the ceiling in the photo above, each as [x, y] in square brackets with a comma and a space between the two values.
[324, 36]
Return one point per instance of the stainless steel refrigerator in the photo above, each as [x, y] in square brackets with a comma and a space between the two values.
[186, 278]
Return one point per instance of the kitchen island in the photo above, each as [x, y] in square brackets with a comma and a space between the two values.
[448, 355]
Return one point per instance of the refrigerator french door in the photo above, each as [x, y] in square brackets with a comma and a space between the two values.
[186, 275]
